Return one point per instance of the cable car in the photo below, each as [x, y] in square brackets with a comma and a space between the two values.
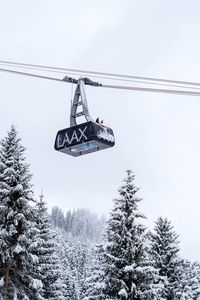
[87, 137]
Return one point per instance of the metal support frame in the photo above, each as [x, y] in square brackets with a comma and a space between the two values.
[79, 100]
[80, 93]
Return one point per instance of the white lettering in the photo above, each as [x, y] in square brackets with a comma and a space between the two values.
[74, 137]
[66, 139]
[62, 140]
[82, 133]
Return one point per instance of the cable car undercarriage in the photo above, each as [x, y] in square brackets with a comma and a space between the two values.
[87, 137]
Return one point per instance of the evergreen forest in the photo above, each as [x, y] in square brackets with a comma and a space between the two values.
[78, 255]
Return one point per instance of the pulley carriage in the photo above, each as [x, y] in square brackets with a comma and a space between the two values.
[87, 137]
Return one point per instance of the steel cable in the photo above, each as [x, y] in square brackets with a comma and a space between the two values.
[102, 73]
[100, 77]
[176, 92]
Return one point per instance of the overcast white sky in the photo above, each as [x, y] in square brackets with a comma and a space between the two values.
[157, 136]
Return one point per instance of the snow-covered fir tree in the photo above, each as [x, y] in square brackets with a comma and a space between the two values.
[124, 270]
[164, 247]
[17, 224]
[47, 253]
[190, 279]
[194, 278]
[183, 287]
[94, 283]
[75, 256]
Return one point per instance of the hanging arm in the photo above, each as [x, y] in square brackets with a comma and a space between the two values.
[80, 99]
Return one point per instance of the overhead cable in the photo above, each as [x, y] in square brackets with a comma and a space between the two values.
[103, 73]
[165, 91]
[31, 75]
[98, 76]
[141, 89]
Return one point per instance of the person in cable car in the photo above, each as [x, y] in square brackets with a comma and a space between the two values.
[97, 121]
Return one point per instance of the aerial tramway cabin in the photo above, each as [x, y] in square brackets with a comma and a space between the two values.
[87, 137]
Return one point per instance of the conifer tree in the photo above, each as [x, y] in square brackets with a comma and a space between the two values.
[165, 256]
[74, 255]
[48, 260]
[183, 288]
[194, 279]
[124, 266]
[94, 283]
[16, 223]
[190, 280]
